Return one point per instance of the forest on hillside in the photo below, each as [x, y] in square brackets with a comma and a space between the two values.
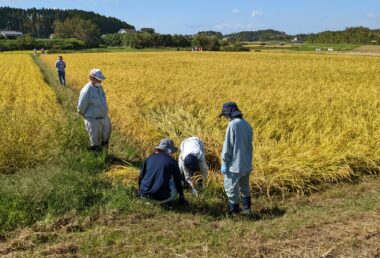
[39, 22]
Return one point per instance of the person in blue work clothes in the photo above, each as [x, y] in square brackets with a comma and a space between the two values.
[61, 66]
[92, 105]
[237, 159]
[160, 178]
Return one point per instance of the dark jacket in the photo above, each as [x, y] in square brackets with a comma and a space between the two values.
[155, 175]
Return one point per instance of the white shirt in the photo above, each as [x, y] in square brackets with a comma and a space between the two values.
[192, 145]
[195, 146]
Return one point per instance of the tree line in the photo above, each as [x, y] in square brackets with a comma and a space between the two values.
[353, 35]
[148, 38]
[94, 30]
[260, 35]
[40, 22]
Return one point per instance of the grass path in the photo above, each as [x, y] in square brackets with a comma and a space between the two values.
[340, 222]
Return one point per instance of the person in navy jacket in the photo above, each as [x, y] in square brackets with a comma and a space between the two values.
[160, 178]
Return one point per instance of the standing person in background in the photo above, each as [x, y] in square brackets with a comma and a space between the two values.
[237, 159]
[192, 159]
[92, 105]
[61, 66]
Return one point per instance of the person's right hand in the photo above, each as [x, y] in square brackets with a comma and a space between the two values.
[224, 169]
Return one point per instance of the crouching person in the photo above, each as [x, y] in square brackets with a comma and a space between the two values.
[160, 178]
[237, 159]
[191, 160]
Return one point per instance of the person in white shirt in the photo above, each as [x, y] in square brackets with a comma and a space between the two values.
[192, 159]
[92, 105]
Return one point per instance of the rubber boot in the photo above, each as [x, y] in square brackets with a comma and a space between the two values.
[233, 209]
[105, 144]
[95, 149]
[246, 205]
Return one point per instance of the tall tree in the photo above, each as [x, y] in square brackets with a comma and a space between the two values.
[78, 28]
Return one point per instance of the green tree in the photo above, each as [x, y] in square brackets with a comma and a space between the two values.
[113, 39]
[78, 28]
[217, 34]
[206, 42]
[25, 42]
[148, 30]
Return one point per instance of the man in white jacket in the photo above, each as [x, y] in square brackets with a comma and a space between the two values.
[92, 105]
[192, 159]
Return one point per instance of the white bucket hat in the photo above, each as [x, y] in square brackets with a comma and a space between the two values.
[97, 74]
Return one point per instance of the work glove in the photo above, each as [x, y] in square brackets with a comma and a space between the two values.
[224, 169]
[195, 192]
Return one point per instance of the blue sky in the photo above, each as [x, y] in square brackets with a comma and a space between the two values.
[188, 17]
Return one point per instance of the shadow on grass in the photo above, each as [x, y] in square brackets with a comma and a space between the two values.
[112, 159]
[218, 211]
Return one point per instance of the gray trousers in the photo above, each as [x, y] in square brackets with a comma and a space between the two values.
[236, 183]
[99, 130]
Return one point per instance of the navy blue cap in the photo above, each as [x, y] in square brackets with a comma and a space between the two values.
[230, 109]
[191, 163]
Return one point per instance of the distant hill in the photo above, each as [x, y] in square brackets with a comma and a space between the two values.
[353, 35]
[260, 35]
[39, 22]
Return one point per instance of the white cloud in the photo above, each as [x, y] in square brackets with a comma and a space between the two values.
[256, 13]
[235, 11]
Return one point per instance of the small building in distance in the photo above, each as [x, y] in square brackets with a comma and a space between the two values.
[10, 34]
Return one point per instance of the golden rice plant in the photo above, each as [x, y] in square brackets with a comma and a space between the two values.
[29, 114]
[316, 117]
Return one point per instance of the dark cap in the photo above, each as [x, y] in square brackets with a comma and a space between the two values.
[230, 109]
[191, 163]
[167, 145]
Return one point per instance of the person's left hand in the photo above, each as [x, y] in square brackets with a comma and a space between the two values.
[195, 192]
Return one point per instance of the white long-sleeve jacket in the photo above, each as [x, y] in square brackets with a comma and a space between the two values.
[195, 146]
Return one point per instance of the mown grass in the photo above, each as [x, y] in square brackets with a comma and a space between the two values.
[342, 221]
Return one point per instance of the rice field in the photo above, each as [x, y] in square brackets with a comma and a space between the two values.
[29, 115]
[315, 117]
